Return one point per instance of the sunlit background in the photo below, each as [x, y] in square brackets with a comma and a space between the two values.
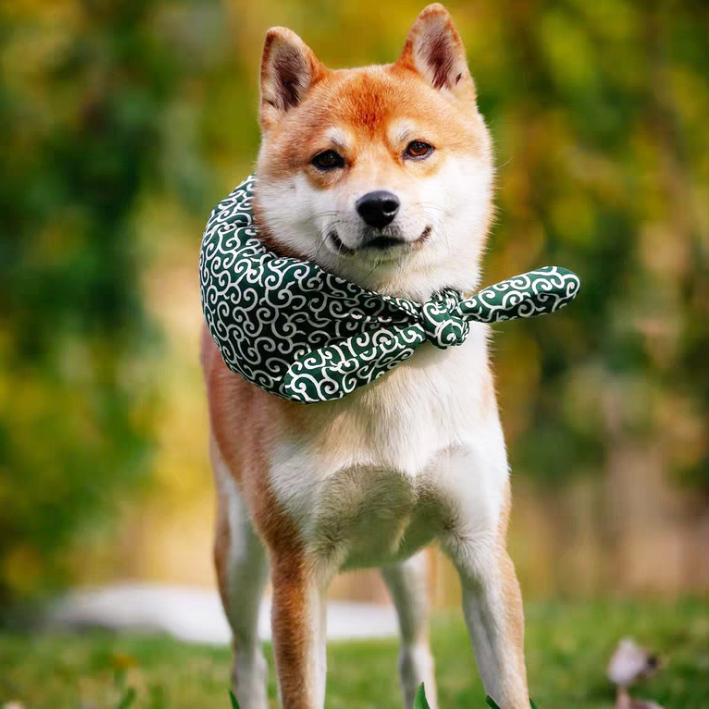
[122, 123]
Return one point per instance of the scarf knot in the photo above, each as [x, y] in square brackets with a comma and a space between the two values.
[443, 326]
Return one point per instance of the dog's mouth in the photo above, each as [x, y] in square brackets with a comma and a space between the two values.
[381, 242]
[337, 243]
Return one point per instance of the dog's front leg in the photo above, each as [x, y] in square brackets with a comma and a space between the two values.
[298, 621]
[492, 605]
[492, 602]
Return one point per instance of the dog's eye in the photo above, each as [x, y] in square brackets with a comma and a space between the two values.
[328, 160]
[418, 150]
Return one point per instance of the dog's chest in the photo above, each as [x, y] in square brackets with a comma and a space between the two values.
[366, 478]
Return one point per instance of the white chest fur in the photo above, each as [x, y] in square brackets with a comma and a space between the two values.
[375, 476]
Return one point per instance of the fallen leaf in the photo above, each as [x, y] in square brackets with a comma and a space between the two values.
[630, 662]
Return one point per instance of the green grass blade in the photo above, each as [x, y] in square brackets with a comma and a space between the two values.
[534, 706]
[127, 700]
[420, 701]
[234, 703]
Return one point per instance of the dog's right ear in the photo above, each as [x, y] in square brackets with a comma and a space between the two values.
[289, 68]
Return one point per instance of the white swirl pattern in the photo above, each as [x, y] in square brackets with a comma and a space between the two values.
[307, 335]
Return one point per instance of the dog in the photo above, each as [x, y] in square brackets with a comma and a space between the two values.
[382, 175]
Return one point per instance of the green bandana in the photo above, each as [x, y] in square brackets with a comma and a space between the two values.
[302, 333]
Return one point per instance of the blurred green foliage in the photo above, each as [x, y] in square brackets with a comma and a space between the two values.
[124, 122]
[82, 102]
[600, 111]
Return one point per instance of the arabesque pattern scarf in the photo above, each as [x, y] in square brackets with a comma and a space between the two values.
[304, 334]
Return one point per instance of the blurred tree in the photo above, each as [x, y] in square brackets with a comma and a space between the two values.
[602, 106]
[82, 94]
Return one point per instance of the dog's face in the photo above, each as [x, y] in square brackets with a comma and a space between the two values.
[381, 174]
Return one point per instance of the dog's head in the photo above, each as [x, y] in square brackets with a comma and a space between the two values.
[381, 174]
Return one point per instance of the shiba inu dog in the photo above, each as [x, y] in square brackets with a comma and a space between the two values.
[382, 175]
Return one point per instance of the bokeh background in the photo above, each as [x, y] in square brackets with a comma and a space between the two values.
[122, 123]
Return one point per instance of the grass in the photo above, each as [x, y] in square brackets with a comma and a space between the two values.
[568, 647]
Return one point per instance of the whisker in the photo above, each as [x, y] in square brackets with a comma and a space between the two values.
[439, 228]
[374, 268]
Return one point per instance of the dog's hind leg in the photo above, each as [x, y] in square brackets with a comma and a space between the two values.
[407, 583]
[242, 570]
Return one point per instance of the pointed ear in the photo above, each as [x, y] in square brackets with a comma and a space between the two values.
[435, 50]
[288, 69]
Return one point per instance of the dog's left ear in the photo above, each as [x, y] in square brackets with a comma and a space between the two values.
[435, 50]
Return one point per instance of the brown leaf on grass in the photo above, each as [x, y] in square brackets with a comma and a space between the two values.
[630, 663]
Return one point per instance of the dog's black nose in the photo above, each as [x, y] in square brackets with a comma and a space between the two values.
[378, 208]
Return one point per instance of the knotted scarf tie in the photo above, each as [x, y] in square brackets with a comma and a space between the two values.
[304, 334]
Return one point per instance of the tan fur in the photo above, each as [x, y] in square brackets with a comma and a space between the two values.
[240, 418]
[514, 615]
[372, 98]
[430, 84]
[222, 540]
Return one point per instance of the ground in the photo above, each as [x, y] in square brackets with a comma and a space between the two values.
[568, 646]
